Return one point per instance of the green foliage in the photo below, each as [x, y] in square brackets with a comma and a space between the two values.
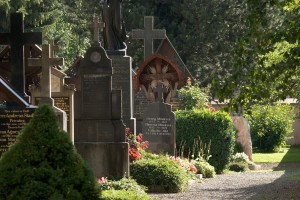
[159, 174]
[270, 126]
[212, 127]
[43, 164]
[238, 166]
[191, 96]
[122, 189]
[205, 169]
[123, 195]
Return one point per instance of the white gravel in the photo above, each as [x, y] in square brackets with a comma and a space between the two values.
[281, 185]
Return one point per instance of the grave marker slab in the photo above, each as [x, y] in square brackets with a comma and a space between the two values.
[159, 126]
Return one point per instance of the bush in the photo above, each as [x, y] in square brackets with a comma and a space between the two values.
[238, 166]
[159, 174]
[43, 164]
[270, 125]
[123, 195]
[122, 189]
[214, 127]
[205, 169]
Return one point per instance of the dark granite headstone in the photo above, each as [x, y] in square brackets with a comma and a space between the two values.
[159, 126]
[17, 38]
[99, 129]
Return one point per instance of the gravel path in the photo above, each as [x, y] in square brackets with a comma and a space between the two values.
[281, 185]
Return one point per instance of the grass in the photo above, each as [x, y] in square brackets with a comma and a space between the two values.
[289, 154]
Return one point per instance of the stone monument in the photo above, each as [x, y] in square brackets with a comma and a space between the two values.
[46, 61]
[159, 125]
[243, 136]
[114, 36]
[99, 130]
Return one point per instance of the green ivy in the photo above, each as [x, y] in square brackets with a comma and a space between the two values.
[214, 127]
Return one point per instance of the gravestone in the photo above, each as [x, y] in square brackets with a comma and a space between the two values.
[159, 125]
[15, 112]
[148, 35]
[99, 130]
[114, 43]
[52, 89]
[17, 38]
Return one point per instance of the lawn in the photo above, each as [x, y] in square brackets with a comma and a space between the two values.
[289, 154]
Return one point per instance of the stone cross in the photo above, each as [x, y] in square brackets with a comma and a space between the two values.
[96, 26]
[53, 48]
[46, 62]
[17, 39]
[160, 89]
[148, 34]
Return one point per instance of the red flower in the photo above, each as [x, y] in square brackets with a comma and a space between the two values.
[211, 108]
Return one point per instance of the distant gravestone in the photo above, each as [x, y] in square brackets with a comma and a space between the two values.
[159, 125]
[16, 39]
[46, 61]
[99, 130]
[148, 34]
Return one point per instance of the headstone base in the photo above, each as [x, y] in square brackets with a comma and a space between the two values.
[106, 159]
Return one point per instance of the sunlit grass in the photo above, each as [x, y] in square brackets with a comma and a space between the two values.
[287, 155]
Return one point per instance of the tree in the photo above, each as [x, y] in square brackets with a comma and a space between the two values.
[43, 164]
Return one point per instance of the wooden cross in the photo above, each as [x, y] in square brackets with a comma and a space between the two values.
[148, 34]
[17, 39]
[97, 25]
[46, 62]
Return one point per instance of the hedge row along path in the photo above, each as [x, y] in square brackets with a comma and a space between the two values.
[281, 185]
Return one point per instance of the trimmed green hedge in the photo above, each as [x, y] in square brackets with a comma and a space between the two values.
[216, 127]
[43, 164]
[159, 174]
[270, 126]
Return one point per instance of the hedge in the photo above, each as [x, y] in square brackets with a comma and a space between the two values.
[214, 127]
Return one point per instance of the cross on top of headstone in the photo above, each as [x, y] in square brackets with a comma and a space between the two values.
[160, 89]
[148, 34]
[53, 48]
[96, 26]
[46, 62]
[16, 39]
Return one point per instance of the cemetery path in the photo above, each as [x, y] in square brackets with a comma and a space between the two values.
[281, 185]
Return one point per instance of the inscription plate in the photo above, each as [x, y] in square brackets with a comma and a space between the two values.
[158, 126]
[95, 95]
[11, 122]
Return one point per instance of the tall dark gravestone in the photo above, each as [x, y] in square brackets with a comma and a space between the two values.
[159, 125]
[99, 130]
[16, 39]
[114, 43]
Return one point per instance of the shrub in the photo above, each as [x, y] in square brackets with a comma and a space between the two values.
[123, 195]
[214, 127]
[240, 157]
[270, 125]
[205, 169]
[122, 189]
[43, 164]
[136, 145]
[159, 174]
[238, 166]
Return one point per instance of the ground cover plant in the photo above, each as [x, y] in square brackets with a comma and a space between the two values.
[43, 164]
[122, 189]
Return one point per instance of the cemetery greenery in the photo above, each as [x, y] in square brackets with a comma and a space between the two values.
[43, 164]
[247, 50]
[270, 126]
[239, 162]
